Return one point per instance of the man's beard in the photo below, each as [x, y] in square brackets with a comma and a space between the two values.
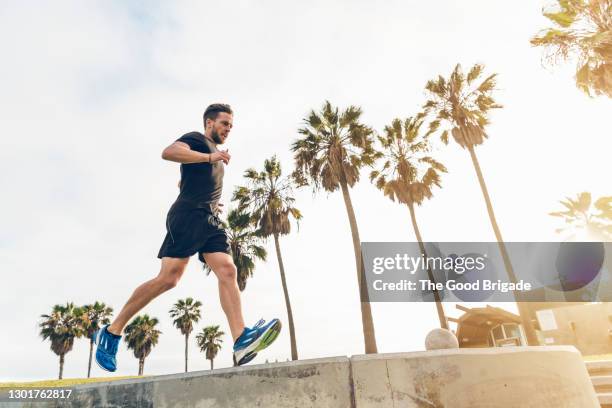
[215, 136]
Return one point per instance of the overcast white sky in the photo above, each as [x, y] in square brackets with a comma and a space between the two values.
[91, 92]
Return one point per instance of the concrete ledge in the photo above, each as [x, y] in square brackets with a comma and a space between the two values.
[541, 377]
[306, 383]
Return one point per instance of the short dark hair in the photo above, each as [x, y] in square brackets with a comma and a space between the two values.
[213, 111]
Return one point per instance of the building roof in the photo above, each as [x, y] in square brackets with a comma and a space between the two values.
[474, 325]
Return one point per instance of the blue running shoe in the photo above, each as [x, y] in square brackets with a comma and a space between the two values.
[106, 350]
[255, 339]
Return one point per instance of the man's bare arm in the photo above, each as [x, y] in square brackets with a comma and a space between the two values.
[181, 153]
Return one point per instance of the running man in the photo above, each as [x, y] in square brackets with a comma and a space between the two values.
[193, 226]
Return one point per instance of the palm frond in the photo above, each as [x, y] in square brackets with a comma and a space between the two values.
[581, 31]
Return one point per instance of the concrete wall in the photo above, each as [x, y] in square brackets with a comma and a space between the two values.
[308, 383]
[589, 331]
[542, 377]
[491, 377]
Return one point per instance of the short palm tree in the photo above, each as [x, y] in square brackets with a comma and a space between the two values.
[269, 200]
[582, 30]
[185, 313]
[582, 214]
[141, 336]
[61, 327]
[330, 154]
[209, 340]
[93, 317]
[461, 105]
[408, 174]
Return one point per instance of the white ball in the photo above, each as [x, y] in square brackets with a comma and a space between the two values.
[441, 339]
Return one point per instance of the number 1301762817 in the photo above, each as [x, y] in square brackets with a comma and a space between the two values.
[34, 393]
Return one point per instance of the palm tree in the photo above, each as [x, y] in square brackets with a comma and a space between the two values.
[269, 200]
[462, 106]
[333, 149]
[185, 313]
[93, 317]
[209, 340]
[244, 242]
[141, 335]
[61, 327]
[582, 30]
[408, 175]
[578, 215]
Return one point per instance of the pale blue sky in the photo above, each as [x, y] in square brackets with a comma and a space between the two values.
[93, 91]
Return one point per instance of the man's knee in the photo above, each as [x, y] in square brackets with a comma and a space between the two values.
[226, 272]
[170, 276]
[169, 282]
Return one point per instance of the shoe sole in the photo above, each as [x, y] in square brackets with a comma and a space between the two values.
[270, 336]
[105, 369]
[247, 358]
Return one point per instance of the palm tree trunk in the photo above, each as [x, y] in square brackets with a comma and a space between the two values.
[91, 342]
[369, 336]
[61, 370]
[294, 353]
[141, 365]
[211, 363]
[186, 346]
[417, 232]
[523, 309]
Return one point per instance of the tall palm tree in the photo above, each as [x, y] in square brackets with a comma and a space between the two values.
[185, 313]
[61, 327]
[92, 318]
[461, 105]
[579, 214]
[408, 175]
[244, 242]
[333, 148]
[141, 336]
[209, 340]
[582, 30]
[269, 199]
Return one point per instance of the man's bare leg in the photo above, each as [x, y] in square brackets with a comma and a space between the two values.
[223, 266]
[171, 271]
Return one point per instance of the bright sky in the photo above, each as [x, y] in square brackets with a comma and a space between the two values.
[93, 91]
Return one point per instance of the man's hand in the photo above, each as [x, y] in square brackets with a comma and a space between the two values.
[222, 155]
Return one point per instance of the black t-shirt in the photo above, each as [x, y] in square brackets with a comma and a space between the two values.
[201, 183]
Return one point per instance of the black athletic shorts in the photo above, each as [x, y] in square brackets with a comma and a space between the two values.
[193, 231]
